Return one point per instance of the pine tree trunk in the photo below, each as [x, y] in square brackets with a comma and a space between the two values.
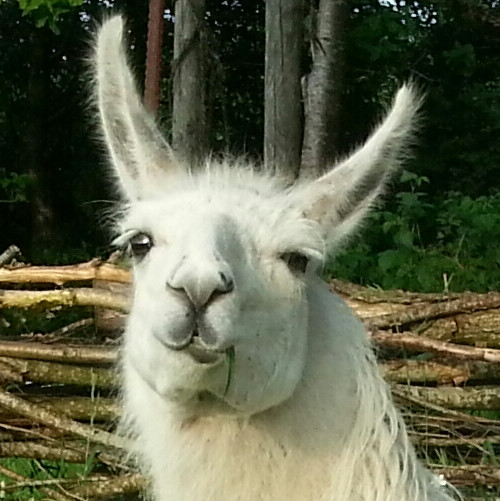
[189, 117]
[322, 87]
[282, 102]
[153, 56]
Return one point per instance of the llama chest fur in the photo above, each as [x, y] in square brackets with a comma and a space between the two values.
[289, 452]
[232, 460]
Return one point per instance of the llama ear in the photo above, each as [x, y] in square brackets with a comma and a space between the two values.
[139, 153]
[340, 199]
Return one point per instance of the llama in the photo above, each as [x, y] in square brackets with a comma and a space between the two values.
[244, 378]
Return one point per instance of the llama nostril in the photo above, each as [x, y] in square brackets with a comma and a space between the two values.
[227, 283]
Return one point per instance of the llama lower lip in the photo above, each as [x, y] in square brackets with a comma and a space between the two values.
[203, 355]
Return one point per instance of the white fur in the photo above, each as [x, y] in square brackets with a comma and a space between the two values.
[288, 404]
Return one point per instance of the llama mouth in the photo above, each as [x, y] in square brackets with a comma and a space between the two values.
[201, 353]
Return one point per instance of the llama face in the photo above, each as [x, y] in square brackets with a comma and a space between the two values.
[224, 254]
[219, 304]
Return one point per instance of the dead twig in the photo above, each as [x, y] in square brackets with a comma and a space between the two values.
[59, 275]
[9, 254]
[20, 371]
[466, 303]
[66, 297]
[41, 415]
[111, 487]
[59, 353]
[415, 342]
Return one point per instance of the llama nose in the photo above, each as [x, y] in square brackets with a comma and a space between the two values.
[201, 287]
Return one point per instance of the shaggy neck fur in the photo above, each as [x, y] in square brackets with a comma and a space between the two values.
[339, 438]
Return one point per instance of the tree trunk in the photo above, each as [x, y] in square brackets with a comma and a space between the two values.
[153, 56]
[282, 101]
[189, 68]
[322, 87]
[42, 212]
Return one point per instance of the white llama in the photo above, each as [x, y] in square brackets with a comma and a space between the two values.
[244, 378]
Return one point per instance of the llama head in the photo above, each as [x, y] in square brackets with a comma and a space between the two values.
[223, 254]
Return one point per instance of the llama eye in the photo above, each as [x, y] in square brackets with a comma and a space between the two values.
[140, 244]
[295, 261]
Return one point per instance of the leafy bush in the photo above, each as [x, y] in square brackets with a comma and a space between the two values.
[13, 187]
[420, 244]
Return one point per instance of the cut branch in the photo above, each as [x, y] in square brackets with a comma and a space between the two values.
[9, 254]
[412, 341]
[20, 371]
[59, 352]
[66, 297]
[483, 398]
[80, 408]
[467, 303]
[41, 415]
[59, 275]
[423, 371]
[469, 475]
[36, 450]
[111, 487]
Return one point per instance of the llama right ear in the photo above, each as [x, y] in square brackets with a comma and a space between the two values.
[339, 200]
[140, 155]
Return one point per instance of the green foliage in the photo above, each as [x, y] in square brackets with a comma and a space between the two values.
[48, 12]
[13, 187]
[427, 245]
[38, 470]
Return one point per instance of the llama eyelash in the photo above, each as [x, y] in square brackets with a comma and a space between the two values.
[122, 241]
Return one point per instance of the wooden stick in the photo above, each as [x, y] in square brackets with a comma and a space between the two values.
[59, 275]
[59, 352]
[21, 371]
[101, 409]
[66, 297]
[466, 303]
[111, 487]
[439, 371]
[7, 255]
[397, 390]
[454, 441]
[36, 450]
[412, 341]
[41, 415]
[469, 474]
[468, 398]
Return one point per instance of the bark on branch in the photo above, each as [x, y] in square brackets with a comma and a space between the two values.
[111, 487]
[60, 275]
[482, 398]
[412, 341]
[9, 254]
[58, 352]
[41, 415]
[20, 371]
[65, 297]
[467, 303]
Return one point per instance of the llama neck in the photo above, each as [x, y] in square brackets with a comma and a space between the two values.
[339, 426]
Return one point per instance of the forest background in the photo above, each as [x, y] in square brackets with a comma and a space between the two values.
[439, 227]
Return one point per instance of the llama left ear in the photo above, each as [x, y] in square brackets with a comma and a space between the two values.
[340, 199]
[140, 155]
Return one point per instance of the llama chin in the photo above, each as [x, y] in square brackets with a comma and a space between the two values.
[244, 378]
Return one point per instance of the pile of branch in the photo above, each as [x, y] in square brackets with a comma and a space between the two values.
[440, 353]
